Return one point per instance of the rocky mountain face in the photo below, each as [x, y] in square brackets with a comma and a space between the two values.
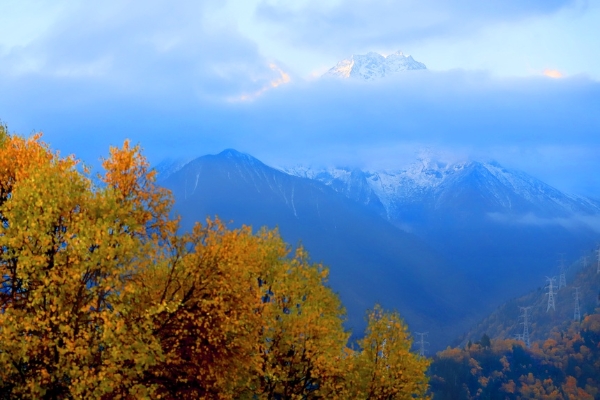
[371, 260]
[444, 244]
[502, 227]
[372, 66]
[484, 188]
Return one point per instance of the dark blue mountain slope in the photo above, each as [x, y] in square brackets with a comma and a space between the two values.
[370, 260]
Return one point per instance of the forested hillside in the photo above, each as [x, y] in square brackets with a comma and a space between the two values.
[581, 291]
[533, 346]
[564, 366]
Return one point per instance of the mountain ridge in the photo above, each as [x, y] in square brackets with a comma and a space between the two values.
[506, 322]
[429, 257]
[492, 221]
[429, 179]
[370, 260]
[373, 66]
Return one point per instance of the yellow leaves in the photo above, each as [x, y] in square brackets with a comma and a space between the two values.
[102, 299]
[385, 364]
[147, 205]
[55, 309]
[303, 331]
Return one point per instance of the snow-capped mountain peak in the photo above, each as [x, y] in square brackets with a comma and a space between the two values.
[373, 66]
[481, 187]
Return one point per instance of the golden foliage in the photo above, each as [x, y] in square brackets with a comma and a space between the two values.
[66, 252]
[385, 368]
[101, 298]
[564, 367]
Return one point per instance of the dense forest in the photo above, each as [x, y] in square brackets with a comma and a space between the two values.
[562, 361]
[564, 366]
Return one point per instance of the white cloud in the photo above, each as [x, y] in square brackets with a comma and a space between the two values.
[139, 46]
[162, 74]
[356, 25]
[574, 222]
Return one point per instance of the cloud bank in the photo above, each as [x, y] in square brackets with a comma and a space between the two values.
[347, 25]
[125, 47]
[574, 222]
[166, 76]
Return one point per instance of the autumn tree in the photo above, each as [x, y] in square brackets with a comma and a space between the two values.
[101, 297]
[303, 339]
[67, 253]
[241, 318]
[385, 367]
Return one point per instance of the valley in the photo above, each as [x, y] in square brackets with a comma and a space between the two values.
[431, 241]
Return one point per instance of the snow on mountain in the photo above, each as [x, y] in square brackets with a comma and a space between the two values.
[344, 235]
[373, 66]
[389, 186]
[169, 166]
[483, 186]
[428, 188]
[538, 192]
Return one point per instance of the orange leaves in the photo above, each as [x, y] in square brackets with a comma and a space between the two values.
[100, 298]
[21, 159]
[62, 264]
[147, 205]
[127, 172]
[508, 387]
[563, 368]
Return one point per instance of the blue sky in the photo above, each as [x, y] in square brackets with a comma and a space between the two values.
[511, 80]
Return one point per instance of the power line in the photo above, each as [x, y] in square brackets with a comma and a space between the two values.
[562, 280]
[585, 261]
[519, 337]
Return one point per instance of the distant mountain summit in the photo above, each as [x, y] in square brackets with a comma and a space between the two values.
[497, 224]
[371, 261]
[372, 66]
[450, 232]
[482, 188]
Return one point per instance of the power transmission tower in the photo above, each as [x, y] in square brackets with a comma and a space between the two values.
[562, 280]
[550, 293]
[585, 261]
[422, 342]
[524, 316]
[577, 314]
